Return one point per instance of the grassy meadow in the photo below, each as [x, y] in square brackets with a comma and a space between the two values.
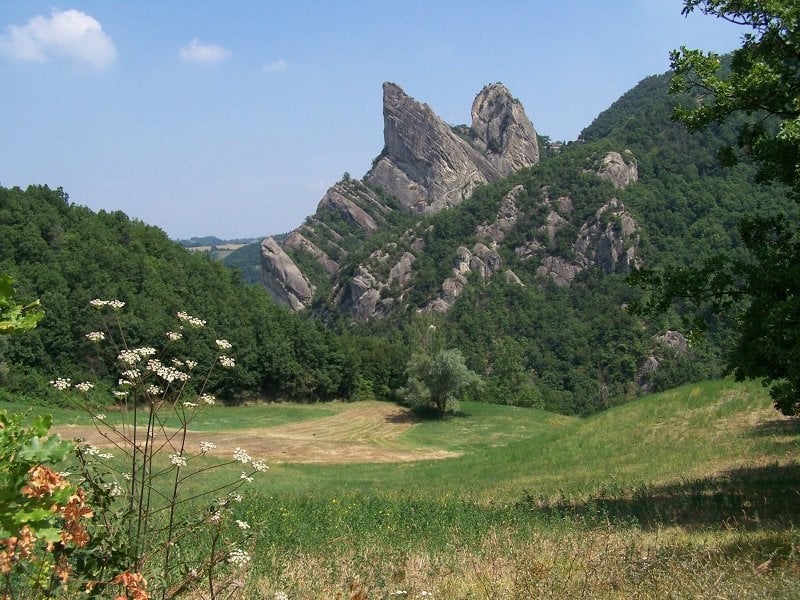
[692, 493]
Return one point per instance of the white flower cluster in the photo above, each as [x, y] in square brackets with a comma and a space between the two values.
[191, 364]
[207, 446]
[131, 374]
[193, 321]
[238, 557]
[245, 477]
[177, 460]
[281, 596]
[190, 405]
[112, 304]
[260, 466]
[119, 394]
[116, 489]
[208, 399]
[83, 386]
[174, 335]
[242, 524]
[90, 450]
[61, 383]
[224, 344]
[240, 455]
[153, 390]
[227, 361]
[100, 416]
[131, 357]
[96, 336]
[168, 374]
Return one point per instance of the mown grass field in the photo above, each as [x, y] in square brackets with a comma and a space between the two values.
[693, 493]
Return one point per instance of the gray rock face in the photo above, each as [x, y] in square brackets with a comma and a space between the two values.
[424, 164]
[284, 281]
[482, 260]
[297, 241]
[429, 167]
[507, 216]
[338, 198]
[619, 170]
[610, 240]
[504, 130]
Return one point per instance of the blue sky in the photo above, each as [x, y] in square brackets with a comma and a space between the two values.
[233, 118]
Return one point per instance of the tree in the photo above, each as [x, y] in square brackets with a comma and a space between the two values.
[437, 381]
[13, 316]
[761, 292]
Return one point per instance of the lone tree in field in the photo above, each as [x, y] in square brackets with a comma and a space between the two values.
[760, 293]
[437, 381]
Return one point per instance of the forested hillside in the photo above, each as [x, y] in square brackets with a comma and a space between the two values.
[527, 277]
[66, 255]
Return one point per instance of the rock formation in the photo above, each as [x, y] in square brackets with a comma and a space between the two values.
[503, 130]
[285, 282]
[425, 165]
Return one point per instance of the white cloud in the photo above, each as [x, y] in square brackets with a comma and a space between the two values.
[276, 66]
[208, 53]
[71, 34]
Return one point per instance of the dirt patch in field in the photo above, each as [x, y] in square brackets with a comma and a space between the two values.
[363, 433]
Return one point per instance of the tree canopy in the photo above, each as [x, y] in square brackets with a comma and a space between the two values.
[760, 289]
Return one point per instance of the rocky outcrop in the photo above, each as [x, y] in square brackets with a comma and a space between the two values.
[670, 342]
[427, 166]
[481, 260]
[297, 241]
[341, 199]
[503, 130]
[284, 281]
[609, 241]
[618, 169]
[507, 216]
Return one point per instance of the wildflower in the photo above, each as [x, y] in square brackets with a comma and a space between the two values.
[177, 460]
[208, 399]
[227, 361]
[241, 455]
[190, 405]
[154, 390]
[115, 304]
[177, 363]
[174, 335]
[223, 344]
[119, 394]
[127, 476]
[145, 351]
[131, 374]
[234, 497]
[105, 456]
[91, 450]
[193, 321]
[215, 517]
[244, 476]
[242, 524]
[128, 357]
[61, 383]
[83, 386]
[281, 596]
[116, 490]
[207, 446]
[238, 557]
[191, 364]
[97, 303]
[96, 336]
[259, 466]
[99, 416]
[124, 382]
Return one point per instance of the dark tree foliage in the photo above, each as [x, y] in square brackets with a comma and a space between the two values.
[66, 255]
[757, 91]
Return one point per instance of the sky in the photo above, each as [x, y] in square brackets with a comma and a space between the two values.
[233, 118]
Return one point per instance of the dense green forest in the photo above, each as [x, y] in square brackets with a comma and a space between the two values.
[66, 255]
[576, 349]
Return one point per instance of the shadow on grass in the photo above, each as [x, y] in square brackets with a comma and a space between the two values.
[777, 427]
[749, 498]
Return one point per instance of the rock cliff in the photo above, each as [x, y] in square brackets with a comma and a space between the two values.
[426, 165]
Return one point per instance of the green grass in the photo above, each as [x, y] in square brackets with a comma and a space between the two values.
[689, 493]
